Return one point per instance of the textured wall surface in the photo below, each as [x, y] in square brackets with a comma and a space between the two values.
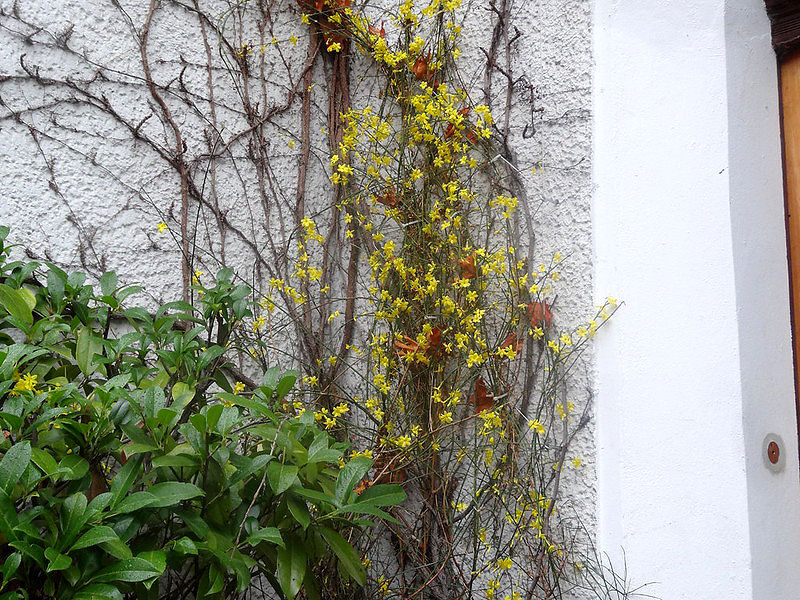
[80, 189]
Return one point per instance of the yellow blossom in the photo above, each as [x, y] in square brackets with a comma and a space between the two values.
[535, 425]
[27, 383]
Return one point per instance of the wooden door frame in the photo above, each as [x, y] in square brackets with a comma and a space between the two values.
[788, 65]
[785, 24]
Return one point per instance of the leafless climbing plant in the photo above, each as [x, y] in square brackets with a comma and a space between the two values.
[396, 266]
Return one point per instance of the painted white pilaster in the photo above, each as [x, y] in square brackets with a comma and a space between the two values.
[696, 368]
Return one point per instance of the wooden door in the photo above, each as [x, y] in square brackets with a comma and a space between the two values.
[789, 71]
[790, 116]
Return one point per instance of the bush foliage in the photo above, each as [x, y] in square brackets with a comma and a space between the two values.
[132, 465]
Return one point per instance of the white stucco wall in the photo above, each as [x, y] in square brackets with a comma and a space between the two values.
[697, 370]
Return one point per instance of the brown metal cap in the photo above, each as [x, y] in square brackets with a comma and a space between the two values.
[773, 452]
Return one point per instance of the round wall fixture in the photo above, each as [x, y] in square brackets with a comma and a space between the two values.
[774, 454]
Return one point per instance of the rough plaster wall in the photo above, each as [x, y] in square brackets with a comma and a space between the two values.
[112, 191]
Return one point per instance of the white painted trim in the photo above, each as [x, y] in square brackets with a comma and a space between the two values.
[762, 299]
[696, 368]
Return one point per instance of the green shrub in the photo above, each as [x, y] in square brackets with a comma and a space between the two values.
[132, 466]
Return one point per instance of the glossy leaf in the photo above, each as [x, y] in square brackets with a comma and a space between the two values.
[281, 476]
[15, 304]
[266, 534]
[129, 570]
[346, 554]
[170, 493]
[291, 567]
[96, 535]
[13, 464]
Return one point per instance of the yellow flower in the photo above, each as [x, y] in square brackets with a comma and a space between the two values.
[402, 441]
[504, 563]
[365, 453]
[474, 359]
[334, 47]
[535, 425]
[238, 387]
[162, 227]
[293, 40]
[27, 383]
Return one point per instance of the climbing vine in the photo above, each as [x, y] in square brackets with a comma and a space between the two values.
[398, 269]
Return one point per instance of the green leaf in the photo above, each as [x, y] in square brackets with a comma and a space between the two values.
[117, 548]
[368, 509]
[209, 355]
[56, 561]
[346, 554]
[212, 416]
[266, 534]
[44, 461]
[281, 477]
[195, 522]
[299, 511]
[86, 346]
[170, 493]
[72, 467]
[99, 503]
[176, 460]
[291, 567]
[98, 591]
[350, 475]
[76, 280]
[124, 479]
[311, 586]
[93, 537]
[8, 517]
[382, 495]
[55, 286]
[73, 517]
[182, 394]
[28, 296]
[252, 405]
[158, 558]
[315, 496]
[285, 384]
[319, 450]
[10, 566]
[128, 291]
[137, 314]
[130, 570]
[212, 582]
[16, 304]
[185, 545]
[134, 449]
[271, 377]
[108, 283]
[13, 465]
